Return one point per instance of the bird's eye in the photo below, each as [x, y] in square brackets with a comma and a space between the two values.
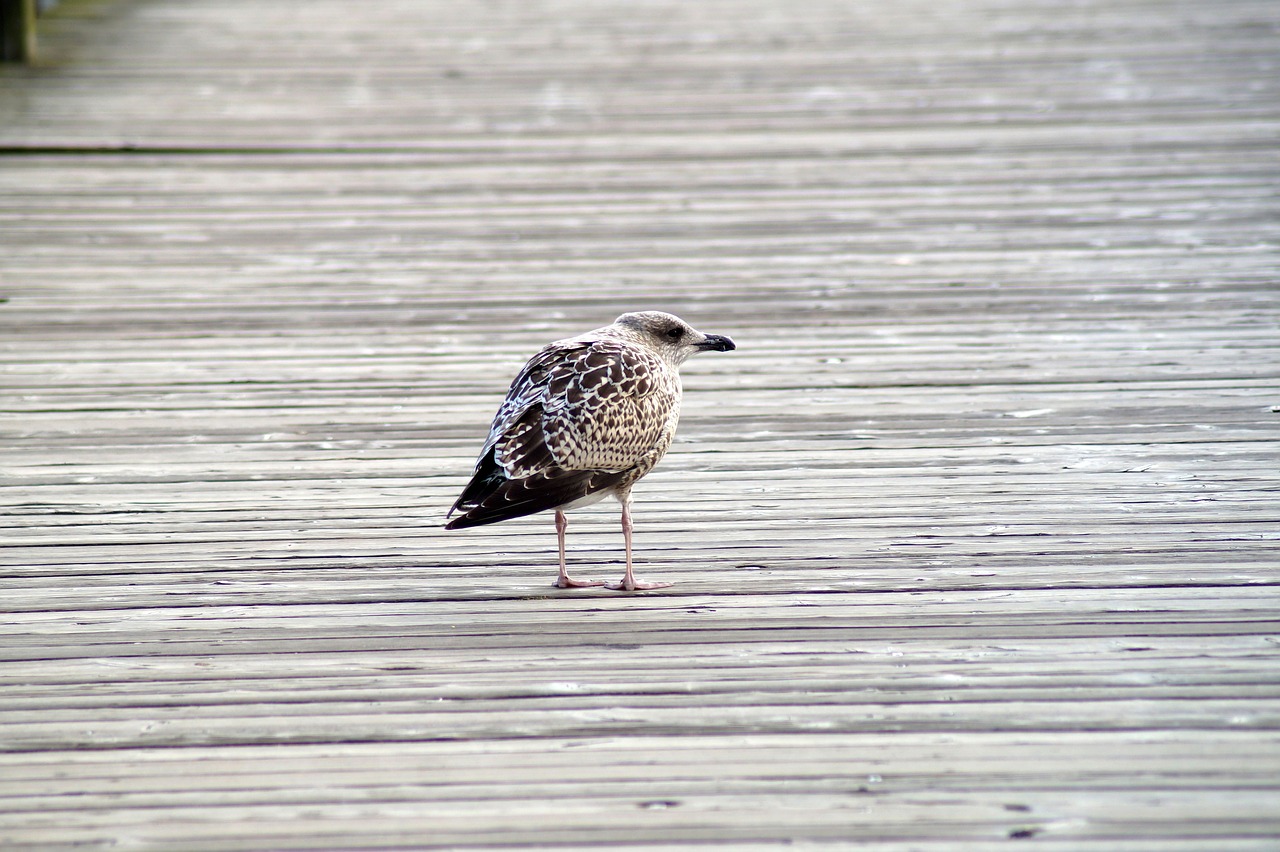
[675, 332]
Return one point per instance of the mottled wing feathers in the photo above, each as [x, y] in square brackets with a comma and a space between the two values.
[579, 418]
[493, 497]
[528, 388]
[606, 407]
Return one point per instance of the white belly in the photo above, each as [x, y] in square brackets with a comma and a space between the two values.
[589, 500]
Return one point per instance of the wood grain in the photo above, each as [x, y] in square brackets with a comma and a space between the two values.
[974, 537]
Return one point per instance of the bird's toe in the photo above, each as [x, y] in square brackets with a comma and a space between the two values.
[636, 586]
[570, 583]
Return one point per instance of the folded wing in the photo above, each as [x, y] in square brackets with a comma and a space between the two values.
[580, 418]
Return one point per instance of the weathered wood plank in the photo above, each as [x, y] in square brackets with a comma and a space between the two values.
[974, 536]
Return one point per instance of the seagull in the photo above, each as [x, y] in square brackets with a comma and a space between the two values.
[585, 419]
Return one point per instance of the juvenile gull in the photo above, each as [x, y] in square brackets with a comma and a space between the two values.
[585, 418]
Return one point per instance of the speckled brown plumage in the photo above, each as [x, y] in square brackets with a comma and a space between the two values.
[585, 418]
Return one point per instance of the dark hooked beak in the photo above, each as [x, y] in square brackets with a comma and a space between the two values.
[717, 343]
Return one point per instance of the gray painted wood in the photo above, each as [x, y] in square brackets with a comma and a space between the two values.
[974, 537]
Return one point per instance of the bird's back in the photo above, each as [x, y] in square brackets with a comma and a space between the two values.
[584, 415]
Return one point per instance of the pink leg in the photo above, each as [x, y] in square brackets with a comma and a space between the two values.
[629, 582]
[564, 581]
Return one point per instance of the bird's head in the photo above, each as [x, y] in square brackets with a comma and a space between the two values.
[670, 336]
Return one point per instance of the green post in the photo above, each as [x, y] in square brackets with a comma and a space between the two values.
[17, 30]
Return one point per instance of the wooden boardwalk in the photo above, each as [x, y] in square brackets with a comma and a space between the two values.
[976, 538]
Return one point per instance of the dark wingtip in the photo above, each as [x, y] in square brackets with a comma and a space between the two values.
[463, 521]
